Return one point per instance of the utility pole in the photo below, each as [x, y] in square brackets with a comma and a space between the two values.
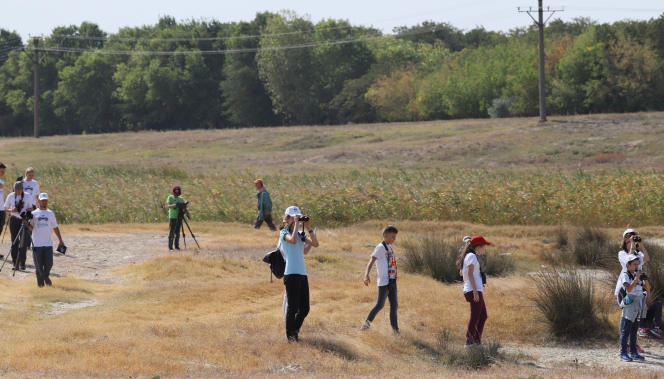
[36, 60]
[540, 24]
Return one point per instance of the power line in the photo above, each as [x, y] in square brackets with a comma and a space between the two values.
[595, 9]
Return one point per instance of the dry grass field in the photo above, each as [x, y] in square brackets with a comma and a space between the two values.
[122, 306]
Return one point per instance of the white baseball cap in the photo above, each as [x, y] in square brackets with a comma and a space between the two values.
[293, 211]
[43, 196]
[626, 232]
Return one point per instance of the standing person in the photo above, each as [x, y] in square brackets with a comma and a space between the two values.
[175, 224]
[16, 203]
[632, 245]
[3, 215]
[295, 274]
[264, 206]
[43, 220]
[633, 308]
[30, 186]
[473, 288]
[387, 278]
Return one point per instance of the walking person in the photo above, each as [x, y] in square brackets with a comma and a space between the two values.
[175, 223]
[3, 214]
[43, 220]
[473, 287]
[633, 308]
[16, 203]
[264, 206]
[295, 274]
[386, 266]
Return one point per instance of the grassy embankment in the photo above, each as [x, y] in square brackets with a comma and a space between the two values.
[214, 313]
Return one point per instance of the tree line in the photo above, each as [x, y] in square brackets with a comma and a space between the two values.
[284, 69]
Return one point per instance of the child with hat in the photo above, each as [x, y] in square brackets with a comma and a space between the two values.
[473, 287]
[633, 308]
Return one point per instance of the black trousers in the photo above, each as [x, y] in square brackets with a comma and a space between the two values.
[18, 252]
[268, 220]
[2, 221]
[174, 227]
[297, 293]
[388, 291]
[43, 257]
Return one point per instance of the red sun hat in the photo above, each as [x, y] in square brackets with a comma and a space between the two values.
[478, 241]
[258, 181]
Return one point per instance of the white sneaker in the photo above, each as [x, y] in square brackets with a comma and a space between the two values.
[365, 326]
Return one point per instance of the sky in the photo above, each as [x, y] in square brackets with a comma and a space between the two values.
[39, 17]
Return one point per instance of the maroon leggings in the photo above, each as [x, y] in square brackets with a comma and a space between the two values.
[478, 317]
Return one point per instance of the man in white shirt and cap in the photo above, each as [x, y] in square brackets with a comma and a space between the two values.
[42, 222]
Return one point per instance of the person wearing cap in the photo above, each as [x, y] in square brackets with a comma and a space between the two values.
[43, 220]
[473, 288]
[295, 274]
[633, 307]
[264, 206]
[16, 203]
[175, 224]
[631, 248]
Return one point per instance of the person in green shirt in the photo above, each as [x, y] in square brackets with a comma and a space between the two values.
[264, 206]
[174, 222]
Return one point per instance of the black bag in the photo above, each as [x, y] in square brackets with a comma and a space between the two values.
[483, 275]
[276, 262]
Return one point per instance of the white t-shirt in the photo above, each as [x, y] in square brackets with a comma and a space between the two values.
[638, 289]
[622, 257]
[28, 202]
[382, 264]
[31, 187]
[471, 259]
[42, 223]
[2, 192]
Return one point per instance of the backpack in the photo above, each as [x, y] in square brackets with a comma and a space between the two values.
[276, 262]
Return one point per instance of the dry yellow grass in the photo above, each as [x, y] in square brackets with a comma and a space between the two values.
[214, 313]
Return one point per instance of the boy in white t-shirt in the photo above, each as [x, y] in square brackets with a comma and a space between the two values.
[386, 267]
[43, 220]
[633, 306]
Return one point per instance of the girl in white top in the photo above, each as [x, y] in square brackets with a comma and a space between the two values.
[473, 288]
[31, 186]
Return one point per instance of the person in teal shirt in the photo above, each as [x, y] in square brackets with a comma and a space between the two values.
[264, 206]
[174, 222]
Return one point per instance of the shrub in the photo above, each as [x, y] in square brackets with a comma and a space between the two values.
[497, 264]
[500, 108]
[655, 270]
[593, 247]
[568, 302]
[433, 256]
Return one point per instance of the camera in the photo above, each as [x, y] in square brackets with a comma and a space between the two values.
[643, 275]
[27, 215]
[182, 205]
[636, 239]
[304, 218]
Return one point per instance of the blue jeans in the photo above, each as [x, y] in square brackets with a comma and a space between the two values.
[629, 331]
[386, 292]
[43, 257]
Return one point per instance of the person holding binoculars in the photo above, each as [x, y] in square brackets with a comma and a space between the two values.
[295, 274]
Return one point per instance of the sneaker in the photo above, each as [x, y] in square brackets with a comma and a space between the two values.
[48, 282]
[365, 326]
[177, 247]
[170, 249]
[643, 332]
[625, 357]
[1, 256]
[396, 331]
[639, 350]
[22, 267]
[656, 331]
[469, 345]
[637, 357]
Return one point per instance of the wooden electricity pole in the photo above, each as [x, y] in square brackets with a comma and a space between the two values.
[36, 61]
[540, 24]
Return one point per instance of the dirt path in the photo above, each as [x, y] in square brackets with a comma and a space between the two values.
[92, 256]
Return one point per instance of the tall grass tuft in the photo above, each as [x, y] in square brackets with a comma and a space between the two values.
[432, 256]
[497, 264]
[654, 269]
[568, 301]
[593, 247]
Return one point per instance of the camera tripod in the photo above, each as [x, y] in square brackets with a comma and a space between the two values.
[180, 226]
[20, 238]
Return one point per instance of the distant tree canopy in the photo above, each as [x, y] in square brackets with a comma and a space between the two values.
[284, 69]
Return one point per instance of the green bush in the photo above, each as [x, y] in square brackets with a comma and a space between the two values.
[500, 108]
[655, 270]
[569, 303]
[593, 247]
[431, 256]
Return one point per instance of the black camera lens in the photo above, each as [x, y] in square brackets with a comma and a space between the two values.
[304, 218]
[636, 239]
